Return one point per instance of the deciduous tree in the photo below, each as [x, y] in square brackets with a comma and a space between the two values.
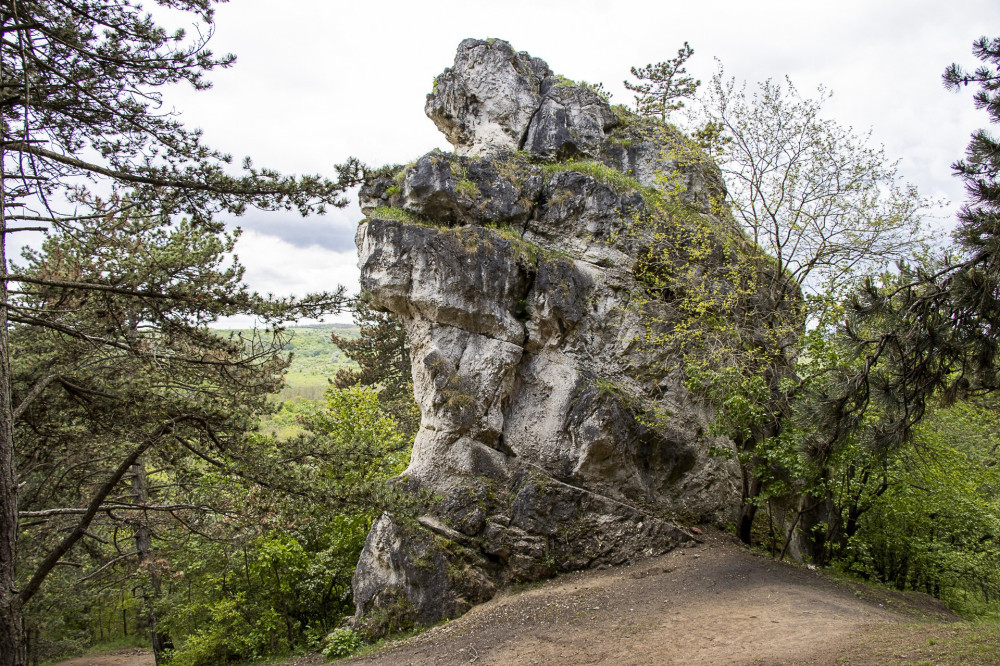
[820, 199]
[822, 208]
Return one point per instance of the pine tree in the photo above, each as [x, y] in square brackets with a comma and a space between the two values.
[112, 381]
[933, 330]
[666, 85]
[80, 102]
[980, 169]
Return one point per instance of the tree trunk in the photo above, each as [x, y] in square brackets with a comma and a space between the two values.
[748, 506]
[11, 631]
[11, 635]
[744, 529]
[147, 565]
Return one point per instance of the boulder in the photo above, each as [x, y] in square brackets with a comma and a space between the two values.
[571, 121]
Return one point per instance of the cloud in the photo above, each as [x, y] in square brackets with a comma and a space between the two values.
[276, 266]
[302, 100]
[333, 231]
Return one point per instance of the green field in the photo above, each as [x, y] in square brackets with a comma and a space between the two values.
[315, 360]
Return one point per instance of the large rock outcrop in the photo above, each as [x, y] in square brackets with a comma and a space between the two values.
[554, 434]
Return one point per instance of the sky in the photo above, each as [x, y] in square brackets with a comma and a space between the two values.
[317, 81]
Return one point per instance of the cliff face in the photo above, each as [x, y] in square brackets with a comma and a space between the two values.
[554, 435]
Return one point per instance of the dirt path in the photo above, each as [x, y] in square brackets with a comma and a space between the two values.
[713, 604]
[126, 657]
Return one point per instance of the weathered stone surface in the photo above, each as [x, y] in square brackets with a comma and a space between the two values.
[494, 99]
[551, 438]
[658, 156]
[581, 215]
[571, 120]
[524, 528]
[454, 190]
[484, 103]
[408, 578]
[465, 277]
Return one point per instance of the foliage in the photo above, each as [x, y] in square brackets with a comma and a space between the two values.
[818, 198]
[599, 171]
[83, 85]
[268, 576]
[718, 303]
[382, 354]
[112, 346]
[125, 398]
[267, 595]
[595, 87]
[820, 209]
[663, 87]
[312, 351]
[341, 643]
[314, 360]
[895, 425]
[362, 442]
[934, 527]
[397, 214]
[981, 166]
[935, 331]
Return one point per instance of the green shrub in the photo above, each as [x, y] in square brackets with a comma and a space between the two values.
[468, 188]
[397, 214]
[229, 634]
[341, 643]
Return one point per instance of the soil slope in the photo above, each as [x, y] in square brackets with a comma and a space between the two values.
[711, 604]
[714, 603]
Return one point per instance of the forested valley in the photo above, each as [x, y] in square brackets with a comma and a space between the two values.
[206, 491]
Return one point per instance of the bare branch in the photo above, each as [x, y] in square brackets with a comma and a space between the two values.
[111, 563]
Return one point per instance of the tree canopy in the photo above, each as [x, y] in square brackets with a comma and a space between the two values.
[820, 208]
[114, 310]
[820, 199]
[934, 330]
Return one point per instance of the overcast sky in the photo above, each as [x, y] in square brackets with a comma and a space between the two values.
[319, 80]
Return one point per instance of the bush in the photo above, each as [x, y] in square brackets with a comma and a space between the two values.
[230, 635]
[341, 643]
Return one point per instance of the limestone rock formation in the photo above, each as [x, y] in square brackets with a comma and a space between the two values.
[485, 102]
[553, 435]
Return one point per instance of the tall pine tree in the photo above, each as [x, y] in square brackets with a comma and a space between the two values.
[936, 329]
[81, 101]
[663, 87]
[980, 169]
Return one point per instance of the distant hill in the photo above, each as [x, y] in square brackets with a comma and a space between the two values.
[315, 359]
